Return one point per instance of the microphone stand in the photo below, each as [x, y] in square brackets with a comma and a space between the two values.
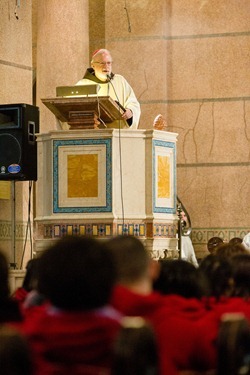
[109, 78]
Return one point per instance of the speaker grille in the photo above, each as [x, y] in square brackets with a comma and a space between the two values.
[10, 150]
[19, 124]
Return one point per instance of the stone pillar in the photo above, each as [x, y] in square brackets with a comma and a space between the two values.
[16, 73]
[62, 50]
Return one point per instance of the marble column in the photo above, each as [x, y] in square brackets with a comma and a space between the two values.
[16, 75]
[62, 50]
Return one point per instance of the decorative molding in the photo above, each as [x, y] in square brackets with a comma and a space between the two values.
[6, 230]
[200, 236]
[167, 151]
[142, 230]
[85, 205]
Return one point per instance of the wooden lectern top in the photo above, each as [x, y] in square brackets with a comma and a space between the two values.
[82, 110]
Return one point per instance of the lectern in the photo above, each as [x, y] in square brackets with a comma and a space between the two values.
[85, 112]
[107, 182]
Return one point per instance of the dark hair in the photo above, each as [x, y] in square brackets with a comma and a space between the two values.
[31, 274]
[241, 275]
[233, 345]
[230, 249]
[236, 240]
[9, 308]
[213, 243]
[178, 276]
[130, 256]
[15, 354]
[218, 271]
[4, 275]
[135, 350]
[76, 273]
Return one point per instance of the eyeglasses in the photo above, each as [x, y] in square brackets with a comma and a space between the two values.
[103, 63]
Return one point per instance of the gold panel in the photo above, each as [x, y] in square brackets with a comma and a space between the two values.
[4, 189]
[142, 230]
[95, 230]
[108, 230]
[131, 229]
[69, 230]
[82, 176]
[163, 177]
[82, 230]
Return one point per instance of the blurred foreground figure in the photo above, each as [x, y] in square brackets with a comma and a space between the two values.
[9, 309]
[73, 333]
[135, 351]
[15, 354]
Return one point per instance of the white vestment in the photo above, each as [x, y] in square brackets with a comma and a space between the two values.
[119, 90]
[187, 250]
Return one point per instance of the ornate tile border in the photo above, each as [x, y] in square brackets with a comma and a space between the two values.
[142, 230]
[108, 183]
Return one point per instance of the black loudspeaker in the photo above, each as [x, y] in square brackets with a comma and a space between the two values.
[19, 124]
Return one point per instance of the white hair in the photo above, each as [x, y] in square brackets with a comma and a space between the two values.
[100, 52]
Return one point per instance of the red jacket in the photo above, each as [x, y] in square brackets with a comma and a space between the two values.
[70, 342]
[174, 320]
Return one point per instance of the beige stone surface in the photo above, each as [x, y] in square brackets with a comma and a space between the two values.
[15, 34]
[16, 84]
[207, 68]
[212, 132]
[146, 74]
[215, 196]
[199, 17]
[146, 18]
[62, 49]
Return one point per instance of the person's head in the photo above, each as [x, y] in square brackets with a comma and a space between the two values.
[135, 349]
[213, 243]
[30, 278]
[15, 354]
[241, 274]
[235, 240]
[4, 274]
[76, 273]
[218, 271]
[132, 260]
[178, 276]
[233, 345]
[228, 249]
[101, 62]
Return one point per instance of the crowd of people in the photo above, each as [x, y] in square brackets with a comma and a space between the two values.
[95, 307]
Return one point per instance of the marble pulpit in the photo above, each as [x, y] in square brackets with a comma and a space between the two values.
[107, 182]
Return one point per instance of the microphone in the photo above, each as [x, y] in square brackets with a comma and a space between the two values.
[109, 78]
